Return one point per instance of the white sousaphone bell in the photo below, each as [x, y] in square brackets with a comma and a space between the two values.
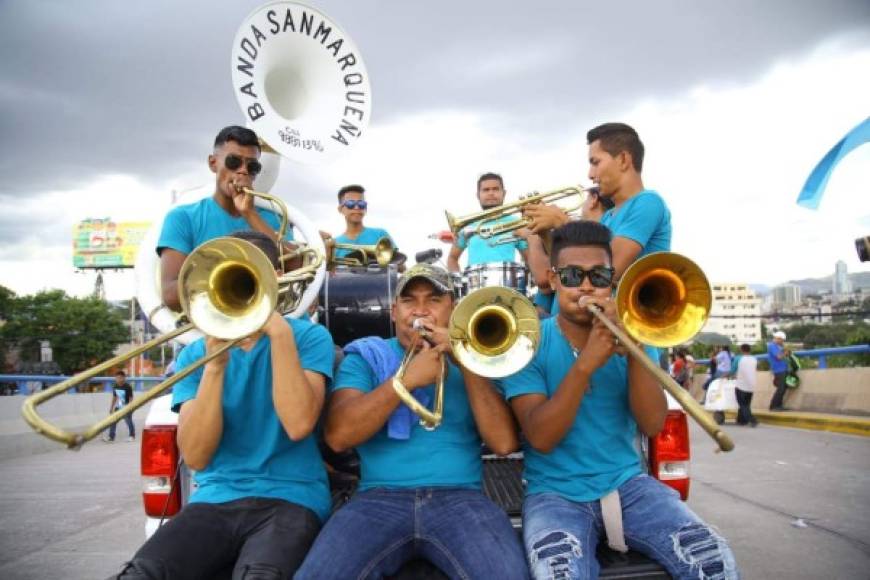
[303, 88]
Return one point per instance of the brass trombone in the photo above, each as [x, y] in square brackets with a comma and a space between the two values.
[228, 289]
[381, 252]
[663, 300]
[495, 232]
[494, 332]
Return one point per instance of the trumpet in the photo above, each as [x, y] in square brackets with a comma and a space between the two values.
[495, 232]
[381, 251]
[493, 332]
[663, 300]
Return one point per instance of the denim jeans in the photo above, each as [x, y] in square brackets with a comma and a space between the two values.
[744, 412]
[458, 530]
[561, 536]
[130, 428]
[246, 539]
[779, 394]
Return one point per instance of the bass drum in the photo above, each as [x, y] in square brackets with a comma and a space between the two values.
[355, 302]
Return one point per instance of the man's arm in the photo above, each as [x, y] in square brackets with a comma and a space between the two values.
[538, 262]
[491, 414]
[296, 393]
[453, 258]
[170, 265]
[201, 420]
[355, 416]
[625, 251]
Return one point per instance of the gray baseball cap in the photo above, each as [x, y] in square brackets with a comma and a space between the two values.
[436, 275]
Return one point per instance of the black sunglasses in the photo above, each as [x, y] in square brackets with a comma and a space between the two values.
[234, 162]
[572, 276]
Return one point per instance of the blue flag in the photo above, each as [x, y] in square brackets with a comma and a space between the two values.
[813, 189]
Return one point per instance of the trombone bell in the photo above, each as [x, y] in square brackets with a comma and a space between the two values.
[494, 332]
[663, 299]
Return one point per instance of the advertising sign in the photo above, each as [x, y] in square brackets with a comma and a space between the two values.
[102, 243]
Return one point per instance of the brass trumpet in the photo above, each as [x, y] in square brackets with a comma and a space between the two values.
[381, 251]
[494, 332]
[663, 300]
[495, 232]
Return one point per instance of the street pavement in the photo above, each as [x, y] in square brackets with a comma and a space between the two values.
[793, 504]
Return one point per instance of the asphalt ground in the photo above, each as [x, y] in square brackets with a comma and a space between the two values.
[792, 503]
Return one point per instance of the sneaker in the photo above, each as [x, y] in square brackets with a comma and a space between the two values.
[754, 424]
[130, 438]
[106, 439]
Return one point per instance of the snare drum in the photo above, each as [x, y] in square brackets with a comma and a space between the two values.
[355, 302]
[504, 274]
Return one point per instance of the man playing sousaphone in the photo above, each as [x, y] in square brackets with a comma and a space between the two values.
[235, 163]
[420, 491]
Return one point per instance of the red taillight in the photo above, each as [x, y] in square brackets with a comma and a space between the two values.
[669, 453]
[159, 461]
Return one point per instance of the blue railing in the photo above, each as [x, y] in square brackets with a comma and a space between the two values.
[820, 353]
[107, 382]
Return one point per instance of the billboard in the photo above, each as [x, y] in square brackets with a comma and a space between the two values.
[102, 243]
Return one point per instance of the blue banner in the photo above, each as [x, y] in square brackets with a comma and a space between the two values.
[813, 189]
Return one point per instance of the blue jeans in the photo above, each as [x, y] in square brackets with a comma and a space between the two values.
[459, 530]
[561, 536]
[127, 419]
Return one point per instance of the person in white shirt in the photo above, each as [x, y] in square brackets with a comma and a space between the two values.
[746, 368]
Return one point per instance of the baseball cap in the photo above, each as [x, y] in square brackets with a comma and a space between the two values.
[779, 334]
[436, 275]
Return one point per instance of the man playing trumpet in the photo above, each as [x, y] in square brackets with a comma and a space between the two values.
[420, 491]
[353, 206]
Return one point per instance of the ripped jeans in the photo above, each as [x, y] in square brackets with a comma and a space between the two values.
[561, 536]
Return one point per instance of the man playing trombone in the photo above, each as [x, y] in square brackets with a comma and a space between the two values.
[235, 163]
[580, 404]
[490, 194]
[245, 426]
[420, 492]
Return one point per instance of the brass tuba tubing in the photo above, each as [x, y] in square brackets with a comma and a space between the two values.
[382, 251]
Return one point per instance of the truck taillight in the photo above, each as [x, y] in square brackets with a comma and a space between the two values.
[159, 462]
[669, 453]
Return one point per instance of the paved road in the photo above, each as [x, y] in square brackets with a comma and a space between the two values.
[79, 516]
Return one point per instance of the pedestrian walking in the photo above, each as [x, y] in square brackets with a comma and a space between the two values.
[122, 395]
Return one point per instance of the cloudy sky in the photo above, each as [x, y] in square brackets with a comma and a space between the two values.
[106, 107]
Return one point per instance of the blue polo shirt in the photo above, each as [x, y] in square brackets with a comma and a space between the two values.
[644, 219]
[187, 226]
[446, 456]
[598, 453]
[255, 456]
[479, 250]
[367, 237]
[776, 365]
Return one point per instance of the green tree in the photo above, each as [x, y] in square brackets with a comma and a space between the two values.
[81, 331]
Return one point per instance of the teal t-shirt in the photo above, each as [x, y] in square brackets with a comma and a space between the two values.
[255, 456]
[645, 219]
[479, 250]
[446, 456]
[598, 453]
[367, 237]
[187, 226]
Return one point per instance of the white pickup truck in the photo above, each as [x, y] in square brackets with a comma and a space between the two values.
[167, 483]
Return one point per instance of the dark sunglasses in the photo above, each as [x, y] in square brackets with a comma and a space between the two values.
[572, 276]
[355, 203]
[234, 162]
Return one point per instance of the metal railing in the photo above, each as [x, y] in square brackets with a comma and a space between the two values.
[820, 353]
[22, 381]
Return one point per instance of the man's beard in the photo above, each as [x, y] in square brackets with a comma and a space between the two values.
[490, 205]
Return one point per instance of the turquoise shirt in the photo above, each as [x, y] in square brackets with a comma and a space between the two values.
[255, 456]
[187, 226]
[479, 250]
[598, 453]
[644, 219]
[446, 456]
[367, 237]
